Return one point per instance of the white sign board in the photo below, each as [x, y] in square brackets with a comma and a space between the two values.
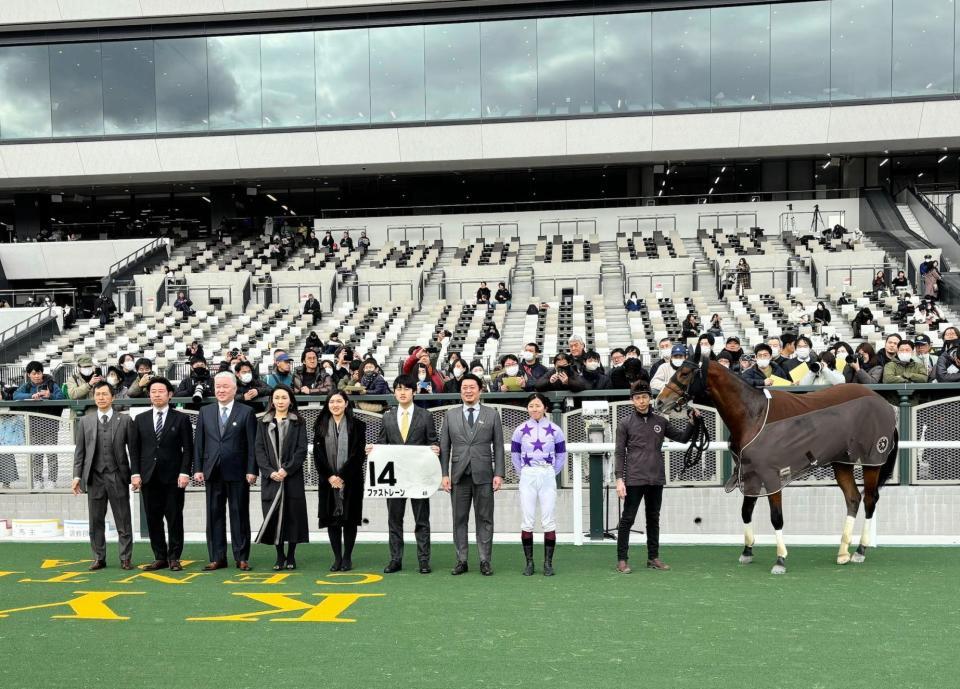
[402, 471]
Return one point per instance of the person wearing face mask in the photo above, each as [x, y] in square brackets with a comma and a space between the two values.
[761, 375]
[84, 377]
[947, 369]
[371, 380]
[561, 377]
[530, 365]
[633, 304]
[705, 348]
[476, 368]
[803, 354]
[823, 372]
[509, 368]
[198, 384]
[141, 384]
[283, 371]
[799, 315]
[115, 378]
[677, 356]
[665, 346]
[457, 369]
[250, 387]
[852, 370]
[593, 374]
[774, 344]
[924, 355]
[127, 366]
[821, 315]
[327, 380]
[905, 369]
[622, 377]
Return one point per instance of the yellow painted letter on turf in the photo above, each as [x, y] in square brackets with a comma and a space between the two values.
[327, 610]
[57, 564]
[364, 579]
[89, 605]
[161, 578]
[62, 578]
[6, 574]
[259, 578]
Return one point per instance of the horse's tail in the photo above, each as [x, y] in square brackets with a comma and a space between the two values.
[886, 471]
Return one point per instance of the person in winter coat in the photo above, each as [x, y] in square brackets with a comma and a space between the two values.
[823, 372]
[762, 373]
[906, 369]
[84, 377]
[250, 387]
[677, 356]
[593, 374]
[561, 377]
[38, 386]
[283, 371]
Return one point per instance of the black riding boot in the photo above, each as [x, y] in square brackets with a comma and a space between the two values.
[528, 553]
[548, 549]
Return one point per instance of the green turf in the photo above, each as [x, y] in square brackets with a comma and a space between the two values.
[892, 622]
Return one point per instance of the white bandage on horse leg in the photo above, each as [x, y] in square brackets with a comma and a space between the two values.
[866, 533]
[845, 538]
[748, 539]
[781, 546]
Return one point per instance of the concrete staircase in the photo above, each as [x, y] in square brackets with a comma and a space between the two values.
[911, 220]
[616, 327]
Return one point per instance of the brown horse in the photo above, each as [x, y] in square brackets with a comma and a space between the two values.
[790, 433]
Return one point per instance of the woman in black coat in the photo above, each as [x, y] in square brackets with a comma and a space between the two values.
[339, 440]
[281, 450]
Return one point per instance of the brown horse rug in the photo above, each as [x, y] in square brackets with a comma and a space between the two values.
[847, 424]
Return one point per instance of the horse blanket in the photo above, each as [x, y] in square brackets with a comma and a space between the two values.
[846, 424]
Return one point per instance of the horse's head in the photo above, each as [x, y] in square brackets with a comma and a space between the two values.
[687, 381]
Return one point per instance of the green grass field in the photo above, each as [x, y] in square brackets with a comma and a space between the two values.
[892, 622]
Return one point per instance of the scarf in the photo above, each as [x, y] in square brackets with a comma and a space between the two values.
[337, 445]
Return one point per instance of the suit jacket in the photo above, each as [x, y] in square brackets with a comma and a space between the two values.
[161, 460]
[85, 437]
[422, 430]
[480, 447]
[235, 452]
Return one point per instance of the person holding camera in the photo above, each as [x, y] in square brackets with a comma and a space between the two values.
[84, 377]
[947, 369]
[39, 386]
[562, 377]
[823, 372]
[197, 385]
[141, 384]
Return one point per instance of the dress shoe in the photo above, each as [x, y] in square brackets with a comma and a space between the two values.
[337, 564]
[460, 568]
[243, 565]
[657, 563]
[155, 565]
[425, 567]
[218, 564]
[279, 564]
[485, 569]
[126, 564]
[291, 563]
[347, 565]
[97, 564]
[392, 566]
[623, 567]
[175, 566]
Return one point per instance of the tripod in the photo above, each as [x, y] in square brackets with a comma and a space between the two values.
[816, 221]
[789, 221]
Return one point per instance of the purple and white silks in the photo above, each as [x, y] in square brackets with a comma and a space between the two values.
[538, 443]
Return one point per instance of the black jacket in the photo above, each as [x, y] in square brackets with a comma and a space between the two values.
[161, 461]
[575, 383]
[756, 377]
[638, 452]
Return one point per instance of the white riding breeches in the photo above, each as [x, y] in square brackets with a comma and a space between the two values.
[538, 485]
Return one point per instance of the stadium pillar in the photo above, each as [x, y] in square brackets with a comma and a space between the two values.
[904, 430]
[227, 203]
[596, 497]
[647, 181]
[31, 214]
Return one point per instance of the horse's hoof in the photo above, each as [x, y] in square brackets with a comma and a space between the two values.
[858, 558]
[778, 569]
[746, 559]
[843, 559]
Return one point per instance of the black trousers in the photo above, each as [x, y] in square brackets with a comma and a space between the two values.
[161, 502]
[220, 495]
[396, 509]
[652, 497]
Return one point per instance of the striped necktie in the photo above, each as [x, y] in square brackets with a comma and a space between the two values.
[158, 429]
[223, 419]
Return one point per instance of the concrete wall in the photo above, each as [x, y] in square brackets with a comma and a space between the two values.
[236, 282]
[57, 260]
[10, 317]
[859, 278]
[290, 287]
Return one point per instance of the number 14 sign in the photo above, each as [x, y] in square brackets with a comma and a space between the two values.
[402, 471]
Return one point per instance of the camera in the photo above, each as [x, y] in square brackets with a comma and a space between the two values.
[198, 393]
[814, 366]
[851, 359]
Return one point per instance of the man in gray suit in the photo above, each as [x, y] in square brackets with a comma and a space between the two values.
[471, 458]
[407, 425]
[101, 469]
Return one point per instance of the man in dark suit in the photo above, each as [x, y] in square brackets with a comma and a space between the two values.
[471, 459]
[101, 469]
[407, 425]
[311, 307]
[161, 450]
[224, 459]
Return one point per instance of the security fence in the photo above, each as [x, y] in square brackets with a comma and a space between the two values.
[36, 438]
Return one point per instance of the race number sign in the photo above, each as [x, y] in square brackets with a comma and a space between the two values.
[402, 471]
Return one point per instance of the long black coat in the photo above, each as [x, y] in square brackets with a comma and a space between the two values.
[288, 522]
[351, 473]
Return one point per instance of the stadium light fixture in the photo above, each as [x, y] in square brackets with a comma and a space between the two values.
[723, 169]
[710, 192]
[942, 158]
[272, 197]
[205, 199]
[717, 180]
[826, 165]
[884, 162]
[919, 175]
[660, 193]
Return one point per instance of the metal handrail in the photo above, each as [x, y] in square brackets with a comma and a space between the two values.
[128, 260]
[937, 213]
[27, 323]
[887, 268]
[51, 292]
[656, 221]
[735, 215]
[576, 280]
[513, 225]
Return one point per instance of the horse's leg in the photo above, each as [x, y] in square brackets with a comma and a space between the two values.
[848, 484]
[746, 512]
[776, 518]
[871, 493]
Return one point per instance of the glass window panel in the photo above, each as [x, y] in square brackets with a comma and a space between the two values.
[681, 59]
[922, 47]
[452, 54]
[181, 84]
[343, 77]
[565, 66]
[25, 86]
[624, 77]
[129, 98]
[396, 74]
[233, 69]
[509, 68]
[76, 99]
[860, 35]
[799, 61]
[289, 82]
[740, 55]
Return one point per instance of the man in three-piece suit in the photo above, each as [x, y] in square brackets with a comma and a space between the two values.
[101, 469]
[161, 450]
[407, 425]
[224, 459]
[471, 458]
